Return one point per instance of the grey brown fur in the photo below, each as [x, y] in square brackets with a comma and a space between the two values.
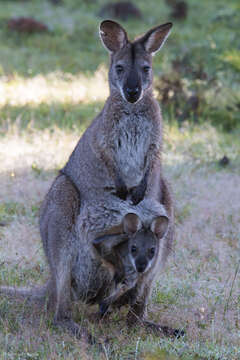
[117, 158]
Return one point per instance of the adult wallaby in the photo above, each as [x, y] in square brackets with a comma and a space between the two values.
[117, 157]
[120, 152]
[132, 254]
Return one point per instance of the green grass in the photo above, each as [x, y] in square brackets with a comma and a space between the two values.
[51, 87]
[206, 42]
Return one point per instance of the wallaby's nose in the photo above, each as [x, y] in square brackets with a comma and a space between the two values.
[141, 266]
[132, 91]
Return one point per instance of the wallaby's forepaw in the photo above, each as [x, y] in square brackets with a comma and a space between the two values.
[121, 189]
[137, 195]
[122, 193]
[159, 330]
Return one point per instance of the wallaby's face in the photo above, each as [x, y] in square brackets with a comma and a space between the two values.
[130, 71]
[143, 244]
[137, 243]
[142, 247]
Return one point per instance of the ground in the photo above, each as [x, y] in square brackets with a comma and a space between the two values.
[51, 87]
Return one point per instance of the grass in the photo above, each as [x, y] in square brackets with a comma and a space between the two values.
[51, 87]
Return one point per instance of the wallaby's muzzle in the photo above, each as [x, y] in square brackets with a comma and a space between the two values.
[132, 94]
[141, 264]
[141, 267]
[132, 88]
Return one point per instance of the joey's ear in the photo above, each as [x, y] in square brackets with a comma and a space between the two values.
[104, 244]
[159, 226]
[154, 39]
[113, 36]
[131, 223]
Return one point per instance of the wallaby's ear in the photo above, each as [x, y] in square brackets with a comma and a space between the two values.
[159, 226]
[104, 244]
[131, 223]
[113, 36]
[154, 39]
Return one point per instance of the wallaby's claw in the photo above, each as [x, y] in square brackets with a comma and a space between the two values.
[159, 330]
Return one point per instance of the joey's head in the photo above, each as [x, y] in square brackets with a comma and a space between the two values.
[138, 243]
[130, 71]
[143, 243]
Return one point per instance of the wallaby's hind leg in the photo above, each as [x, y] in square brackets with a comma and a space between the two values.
[57, 220]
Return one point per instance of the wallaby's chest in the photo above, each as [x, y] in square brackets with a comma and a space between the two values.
[131, 140]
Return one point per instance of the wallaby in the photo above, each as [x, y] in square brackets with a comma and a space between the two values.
[118, 157]
[120, 151]
[134, 253]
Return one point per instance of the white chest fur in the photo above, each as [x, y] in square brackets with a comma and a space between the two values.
[131, 142]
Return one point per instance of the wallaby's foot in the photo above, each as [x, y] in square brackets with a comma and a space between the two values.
[80, 332]
[154, 328]
[159, 330]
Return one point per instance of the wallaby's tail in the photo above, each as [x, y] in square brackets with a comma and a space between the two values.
[32, 294]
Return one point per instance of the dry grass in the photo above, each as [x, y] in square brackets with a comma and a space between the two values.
[199, 291]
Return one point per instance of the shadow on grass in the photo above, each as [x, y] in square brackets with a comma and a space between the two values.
[64, 116]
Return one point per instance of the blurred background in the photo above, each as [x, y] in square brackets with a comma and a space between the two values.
[50, 56]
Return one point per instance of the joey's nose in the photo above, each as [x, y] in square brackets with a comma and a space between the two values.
[141, 267]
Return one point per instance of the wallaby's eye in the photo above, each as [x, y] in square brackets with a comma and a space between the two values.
[119, 69]
[133, 249]
[146, 69]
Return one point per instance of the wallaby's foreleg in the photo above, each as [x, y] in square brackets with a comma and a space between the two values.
[107, 157]
[149, 186]
[153, 188]
[121, 289]
[139, 192]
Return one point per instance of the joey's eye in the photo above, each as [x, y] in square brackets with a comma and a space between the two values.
[133, 249]
[119, 69]
[146, 69]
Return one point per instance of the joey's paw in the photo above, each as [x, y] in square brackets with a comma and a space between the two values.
[159, 330]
